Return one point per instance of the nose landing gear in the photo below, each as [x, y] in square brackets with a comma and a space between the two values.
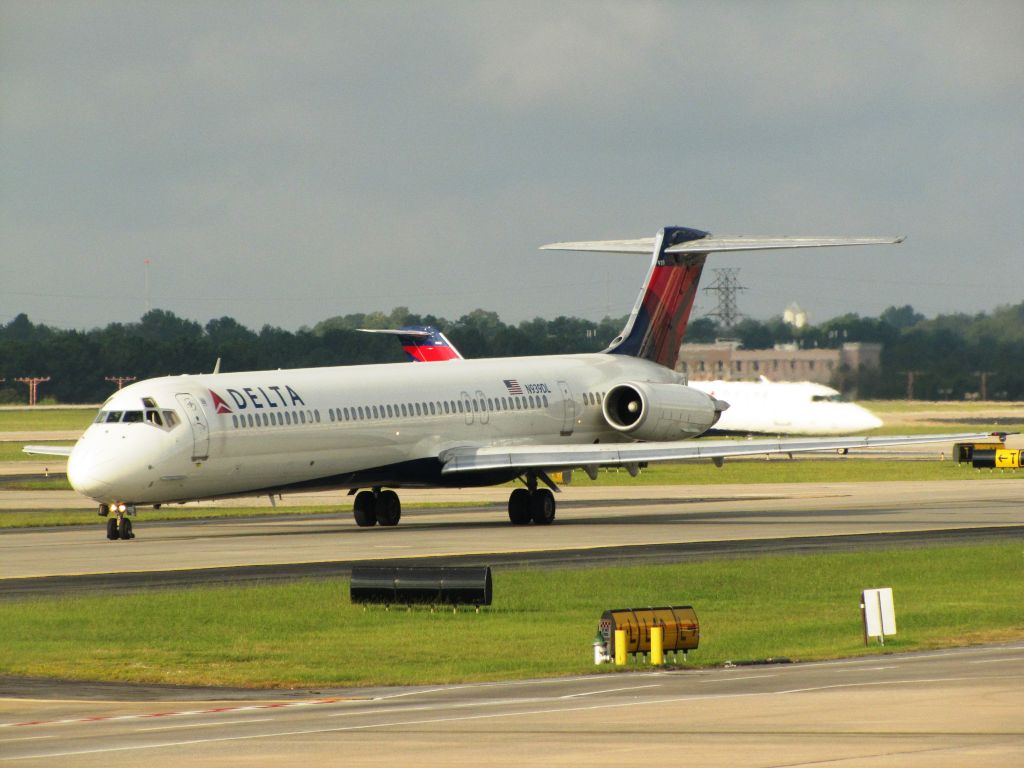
[119, 527]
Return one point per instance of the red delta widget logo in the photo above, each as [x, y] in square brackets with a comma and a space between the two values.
[257, 397]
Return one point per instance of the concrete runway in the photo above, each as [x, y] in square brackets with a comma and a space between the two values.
[588, 518]
[959, 707]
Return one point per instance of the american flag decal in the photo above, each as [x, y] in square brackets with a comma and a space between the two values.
[512, 385]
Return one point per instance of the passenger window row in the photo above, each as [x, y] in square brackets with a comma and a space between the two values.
[438, 408]
[274, 419]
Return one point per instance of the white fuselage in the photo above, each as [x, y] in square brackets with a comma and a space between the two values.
[342, 427]
[785, 407]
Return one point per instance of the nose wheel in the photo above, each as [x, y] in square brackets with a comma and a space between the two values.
[119, 527]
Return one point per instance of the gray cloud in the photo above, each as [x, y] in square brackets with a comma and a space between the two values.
[283, 162]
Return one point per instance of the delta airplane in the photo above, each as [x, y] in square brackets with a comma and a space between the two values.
[373, 428]
[755, 407]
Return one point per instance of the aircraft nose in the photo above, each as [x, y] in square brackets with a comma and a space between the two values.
[89, 472]
[869, 420]
[114, 466]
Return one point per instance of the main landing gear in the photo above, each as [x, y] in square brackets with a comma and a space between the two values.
[532, 504]
[377, 507]
[119, 527]
[525, 505]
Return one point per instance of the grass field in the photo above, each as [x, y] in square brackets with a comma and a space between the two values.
[48, 419]
[541, 623]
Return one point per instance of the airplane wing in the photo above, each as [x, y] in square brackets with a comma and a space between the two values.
[48, 450]
[712, 244]
[475, 459]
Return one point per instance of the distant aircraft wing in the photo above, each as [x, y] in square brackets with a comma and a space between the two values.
[712, 244]
[48, 450]
[476, 459]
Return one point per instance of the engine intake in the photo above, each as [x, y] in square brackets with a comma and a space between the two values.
[646, 411]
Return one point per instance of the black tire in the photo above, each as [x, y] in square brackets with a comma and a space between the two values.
[364, 509]
[389, 508]
[112, 532]
[519, 507]
[124, 529]
[542, 506]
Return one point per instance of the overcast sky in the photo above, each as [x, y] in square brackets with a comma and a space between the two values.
[286, 162]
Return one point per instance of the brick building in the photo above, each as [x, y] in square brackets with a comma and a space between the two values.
[724, 360]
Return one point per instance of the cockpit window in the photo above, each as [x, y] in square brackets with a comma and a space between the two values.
[828, 399]
[165, 419]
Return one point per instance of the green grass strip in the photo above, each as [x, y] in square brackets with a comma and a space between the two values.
[50, 419]
[542, 622]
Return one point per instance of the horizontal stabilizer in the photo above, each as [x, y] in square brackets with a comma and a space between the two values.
[399, 332]
[48, 450]
[711, 244]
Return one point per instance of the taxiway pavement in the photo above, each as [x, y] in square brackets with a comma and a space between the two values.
[954, 707]
[588, 518]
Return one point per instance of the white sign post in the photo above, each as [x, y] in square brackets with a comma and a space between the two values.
[879, 613]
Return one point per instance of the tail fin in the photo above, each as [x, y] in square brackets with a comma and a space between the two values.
[658, 321]
[422, 343]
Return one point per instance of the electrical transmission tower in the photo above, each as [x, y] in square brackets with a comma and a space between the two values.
[726, 285]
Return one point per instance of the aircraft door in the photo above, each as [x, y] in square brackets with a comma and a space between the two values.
[200, 428]
[485, 415]
[569, 409]
[467, 406]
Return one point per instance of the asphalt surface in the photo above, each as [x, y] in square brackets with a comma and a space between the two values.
[634, 523]
[959, 707]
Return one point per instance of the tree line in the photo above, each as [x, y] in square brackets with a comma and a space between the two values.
[947, 355]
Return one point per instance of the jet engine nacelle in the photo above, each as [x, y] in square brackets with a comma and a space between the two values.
[646, 411]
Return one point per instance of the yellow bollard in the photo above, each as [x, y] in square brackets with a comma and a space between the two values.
[620, 647]
[657, 646]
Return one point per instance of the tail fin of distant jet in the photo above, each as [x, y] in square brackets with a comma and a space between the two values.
[658, 321]
[422, 343]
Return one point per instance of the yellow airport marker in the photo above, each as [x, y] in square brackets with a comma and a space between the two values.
[657, 646]
[620, 647]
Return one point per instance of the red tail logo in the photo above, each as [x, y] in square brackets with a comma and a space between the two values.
[218, 403]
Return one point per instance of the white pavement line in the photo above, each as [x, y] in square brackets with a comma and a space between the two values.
[508, 684]
[27, 738]
[731, 679]
[438, 707]
[204, 725]
[609, 690]
[894, 682]
[1010, 660]
[916, 657]
[462, 718]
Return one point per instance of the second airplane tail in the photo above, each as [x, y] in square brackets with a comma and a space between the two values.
[658, 321]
